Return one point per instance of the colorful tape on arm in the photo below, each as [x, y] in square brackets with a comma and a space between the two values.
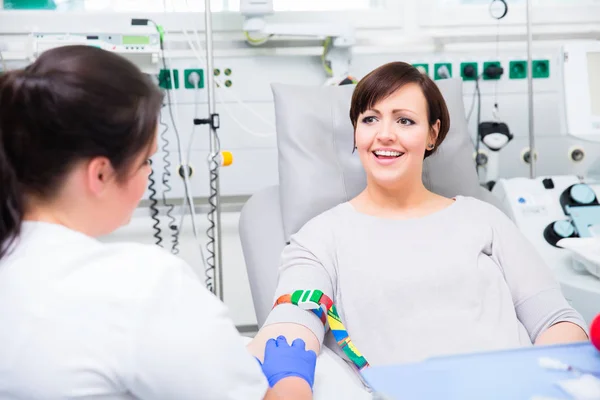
[322, 306]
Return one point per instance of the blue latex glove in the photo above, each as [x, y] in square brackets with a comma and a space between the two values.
[282, 361]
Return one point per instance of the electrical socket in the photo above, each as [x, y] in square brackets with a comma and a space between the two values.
[540, 68]
[517, 69]
[442, 71]
[469, 71]
[492, 70]
[164, 79]
[188, 78]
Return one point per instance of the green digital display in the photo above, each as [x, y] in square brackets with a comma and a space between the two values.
[136, 39]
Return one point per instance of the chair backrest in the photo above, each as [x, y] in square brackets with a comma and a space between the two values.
[318, 170]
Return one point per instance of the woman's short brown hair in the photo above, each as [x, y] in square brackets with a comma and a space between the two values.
[385, 80]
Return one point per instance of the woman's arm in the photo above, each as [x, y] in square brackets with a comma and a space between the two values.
[292, 388]
[562, 332]
[306, 264]
[537, 296]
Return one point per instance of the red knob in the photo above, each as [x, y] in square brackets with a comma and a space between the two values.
[595, 332]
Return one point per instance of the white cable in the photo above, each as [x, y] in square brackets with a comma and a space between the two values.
[186, 181]
[231, 93]
[188, 156]
[198, 54]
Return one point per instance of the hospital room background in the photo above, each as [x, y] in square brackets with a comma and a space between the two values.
[252, 44]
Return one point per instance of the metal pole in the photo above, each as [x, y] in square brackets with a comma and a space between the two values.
[214, 150]
[532, 157]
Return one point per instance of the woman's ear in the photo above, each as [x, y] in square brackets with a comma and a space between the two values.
[435, 131]
[99, 173]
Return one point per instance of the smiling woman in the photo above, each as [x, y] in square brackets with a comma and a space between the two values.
[420, 125]
[402, 264]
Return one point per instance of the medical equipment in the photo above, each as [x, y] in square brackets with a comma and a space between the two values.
[560, 215]
[214, 216]
[547, 210]
[580, 69]
[339, 38]
[213, 264]
[143, 49]
[495, 134]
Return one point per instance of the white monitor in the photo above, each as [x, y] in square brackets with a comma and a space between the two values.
[142, 49]
[581, 89]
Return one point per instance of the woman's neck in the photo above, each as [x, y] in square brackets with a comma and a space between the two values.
[398, 197]
[53, 212]
[399, 202]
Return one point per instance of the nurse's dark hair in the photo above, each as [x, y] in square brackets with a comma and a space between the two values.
[382, 82]
[73, 103]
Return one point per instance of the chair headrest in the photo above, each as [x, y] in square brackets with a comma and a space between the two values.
[317, 169]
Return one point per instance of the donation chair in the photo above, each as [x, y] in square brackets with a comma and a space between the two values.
[318, 170]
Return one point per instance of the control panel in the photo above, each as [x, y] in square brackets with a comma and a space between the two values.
[547, 210]
[141, 49]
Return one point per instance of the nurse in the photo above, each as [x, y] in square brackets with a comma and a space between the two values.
[80, 318]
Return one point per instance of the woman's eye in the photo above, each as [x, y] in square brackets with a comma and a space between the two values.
[368, 120]
[406, 121]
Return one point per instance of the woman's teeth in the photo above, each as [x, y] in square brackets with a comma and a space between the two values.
[387, 153]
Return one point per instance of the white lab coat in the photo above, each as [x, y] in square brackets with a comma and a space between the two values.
[83, 319]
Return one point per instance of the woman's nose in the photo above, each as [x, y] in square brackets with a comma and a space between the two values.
[387, 133]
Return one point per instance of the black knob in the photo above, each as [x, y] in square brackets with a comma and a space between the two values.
[493, 71]
[548, 183]
[558, 230]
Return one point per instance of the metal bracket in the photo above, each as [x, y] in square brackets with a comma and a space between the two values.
[214, 121]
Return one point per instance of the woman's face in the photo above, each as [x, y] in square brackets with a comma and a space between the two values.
[392, 136]
[125, 195]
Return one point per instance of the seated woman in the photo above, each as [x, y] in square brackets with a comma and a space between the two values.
[411, 273]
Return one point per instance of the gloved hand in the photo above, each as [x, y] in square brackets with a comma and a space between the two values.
[282, 361]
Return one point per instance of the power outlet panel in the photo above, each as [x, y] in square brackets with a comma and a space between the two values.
[188, 83]
[517, 69]
[540, 68]
[468, 66]
[164, 79]
[491, 64]
[442, 71]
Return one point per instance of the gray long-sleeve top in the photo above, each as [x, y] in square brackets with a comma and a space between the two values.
[463, 279]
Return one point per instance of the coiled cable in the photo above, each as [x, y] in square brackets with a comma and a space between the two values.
[171, 221]
[166, 176]
[213, 169]
[153, 207]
